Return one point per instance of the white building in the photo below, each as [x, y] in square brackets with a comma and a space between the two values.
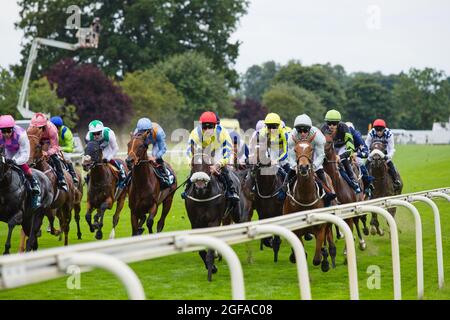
[439, 134]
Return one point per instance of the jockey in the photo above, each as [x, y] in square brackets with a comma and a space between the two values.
[343, 143]
[216, 139]
[66, 143]
[108, 143]
[50, 137]
[157, 138]
[380, 133]
[276, 135]
[304, 130]
[14, 140]
[362, 152]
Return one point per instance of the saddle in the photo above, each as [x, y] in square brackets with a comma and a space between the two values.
[166, 178]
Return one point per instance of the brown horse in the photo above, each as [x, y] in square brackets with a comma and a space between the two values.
[206, 204]
[383, 184]
[102, 185]
[63, 202]
[305, 195]
[145, 193]
[345, 194]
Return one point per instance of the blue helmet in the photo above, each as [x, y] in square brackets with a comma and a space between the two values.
[57, 121]
[144, 124]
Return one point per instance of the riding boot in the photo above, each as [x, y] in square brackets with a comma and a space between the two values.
[59, 173]
[367, 180]
[122, 175]
[394, 174]
[184, 193]
[72, 172]
[35, 191]
[165, 183]
[329, 196]
[230, 193]
[351, 175]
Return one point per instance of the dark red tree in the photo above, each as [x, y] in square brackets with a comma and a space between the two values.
[93, 94]
[248, 112]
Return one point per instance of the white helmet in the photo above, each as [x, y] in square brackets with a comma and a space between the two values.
[259, 125]
[350, 125]
[303, 120]
[96, 126]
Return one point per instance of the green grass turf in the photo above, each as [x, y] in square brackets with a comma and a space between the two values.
[183, 276]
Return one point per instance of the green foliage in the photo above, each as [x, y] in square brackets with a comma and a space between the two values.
[422, 97]
[136, 34]
[258, 78]
[9, 93]
[153, 96]
[368, 100]
[316, 79]
[202, 87]
[289, 101]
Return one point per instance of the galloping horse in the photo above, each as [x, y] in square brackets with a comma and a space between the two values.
[63, 202]
[305, 195]
[344, 192]
[268, 185]
[15, 203]
[206, 204]
[383, 184]
[102, 185]
[145, 193]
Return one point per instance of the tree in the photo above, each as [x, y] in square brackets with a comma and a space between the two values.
[137, 34]
[154, 96]
[248, 112]
[289, 101]
[422, 97]
[315, 79]
[202, 87]
[368, 100]
[258, 78]
[94, 95]
[9, 93]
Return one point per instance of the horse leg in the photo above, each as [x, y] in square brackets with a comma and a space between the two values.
[141, 222]
[210, 263]
[15, 220]
[67, 217]
[362, 242]
[103, 207]
[292, 255]
[363, 219]
[276, 247]
[134, 223]
[50, 214]
[331, 247]
[77, 210]
[338, 233]
[22, 241]
[325, 265]
[167, 204]
[319, 241]
[88, 217]
[151, 217]
[116, 216]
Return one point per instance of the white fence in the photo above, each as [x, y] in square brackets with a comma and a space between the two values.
[22, 269]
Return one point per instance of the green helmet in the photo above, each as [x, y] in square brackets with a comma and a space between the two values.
[333, 115]
[95, 126]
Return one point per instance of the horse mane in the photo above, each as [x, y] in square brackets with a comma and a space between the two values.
[92, 147]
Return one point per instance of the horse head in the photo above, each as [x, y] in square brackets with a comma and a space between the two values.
[92, 155]
[200, 172]
[304, 154]
[137, 149]
[36, 152]
[377, 154]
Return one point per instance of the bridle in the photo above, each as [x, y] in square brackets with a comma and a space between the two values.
[138, 159]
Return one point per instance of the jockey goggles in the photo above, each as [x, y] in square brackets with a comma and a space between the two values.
[207, 125]
[303, 129]
[272, 126]
[379, 129]
[7, 130]
[332, 123]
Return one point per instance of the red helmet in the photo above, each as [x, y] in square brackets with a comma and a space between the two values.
[379, 123]
[208, 117]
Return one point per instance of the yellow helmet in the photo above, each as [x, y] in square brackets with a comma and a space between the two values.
[272, 118]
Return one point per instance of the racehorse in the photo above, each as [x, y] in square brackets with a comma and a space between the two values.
[103, 179]
[345, 194]
[15, 206]
[63, 202]
[145, 193]
[265, 199]
[305, 195]
[206, 204]
[383, 184]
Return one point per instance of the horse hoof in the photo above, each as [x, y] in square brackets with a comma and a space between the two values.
[92, 228]
[79, 236]
[325, 266]
[362, 246]
[214, 269]
[345, 261]
[98, 235]
[381, 232]
[366, 231]
[316, 262]
[373, 230]
[140, 231]
[292, 258]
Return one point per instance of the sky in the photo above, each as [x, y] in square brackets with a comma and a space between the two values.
[361, 35]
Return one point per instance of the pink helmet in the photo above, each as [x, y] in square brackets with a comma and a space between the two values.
[39, 120]
[7, 121]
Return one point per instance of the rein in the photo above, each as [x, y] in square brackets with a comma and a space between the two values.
[318, 196]
[276, 192]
